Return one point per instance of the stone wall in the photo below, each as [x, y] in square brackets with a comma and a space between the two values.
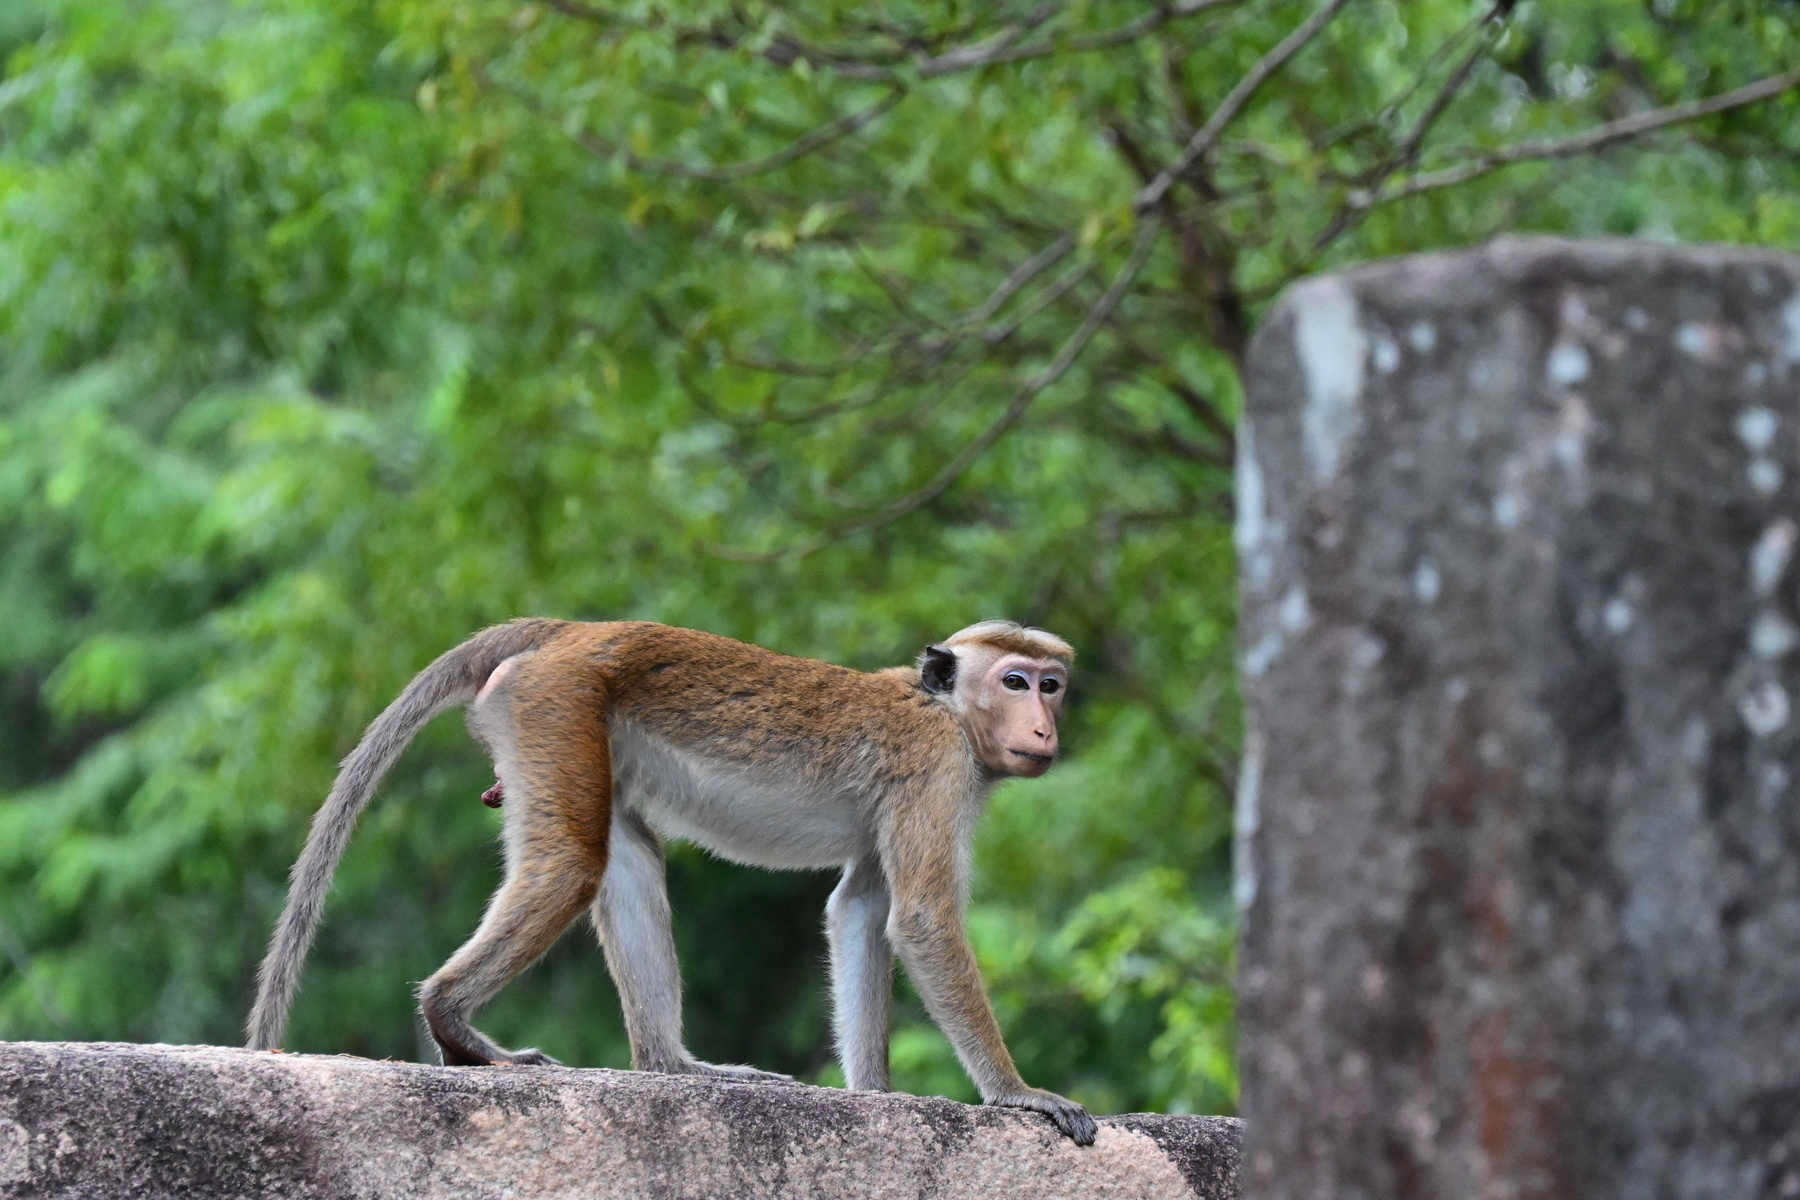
[116, 1122]
[1520, 847]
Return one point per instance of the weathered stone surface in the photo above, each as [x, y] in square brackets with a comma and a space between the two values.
[1522, 852]
[119, 1121]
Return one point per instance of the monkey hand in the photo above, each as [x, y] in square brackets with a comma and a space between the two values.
[1068, 1117]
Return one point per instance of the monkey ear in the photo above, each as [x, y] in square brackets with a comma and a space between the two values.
[937, 670]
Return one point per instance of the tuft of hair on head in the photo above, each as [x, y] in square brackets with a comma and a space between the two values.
[1014, 638]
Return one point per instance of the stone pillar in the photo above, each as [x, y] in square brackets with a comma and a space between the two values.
[1519, 830]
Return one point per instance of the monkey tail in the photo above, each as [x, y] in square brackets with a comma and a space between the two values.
[456, 676]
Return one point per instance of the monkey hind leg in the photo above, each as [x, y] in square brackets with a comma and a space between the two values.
[525, 917]
[558, 774]
[557, 765]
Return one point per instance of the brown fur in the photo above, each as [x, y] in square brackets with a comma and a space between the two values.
[853, 750]
[1010, 637]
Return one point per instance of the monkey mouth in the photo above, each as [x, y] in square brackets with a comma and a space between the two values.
[1043, 758]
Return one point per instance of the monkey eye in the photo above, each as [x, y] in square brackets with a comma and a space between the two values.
[1015, 682]
[1050, 686]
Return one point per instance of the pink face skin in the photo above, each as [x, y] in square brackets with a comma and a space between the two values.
[1018, 701]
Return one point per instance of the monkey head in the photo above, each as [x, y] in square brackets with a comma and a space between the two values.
[1006, 684]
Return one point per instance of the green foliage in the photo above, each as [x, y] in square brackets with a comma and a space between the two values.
[332, 331]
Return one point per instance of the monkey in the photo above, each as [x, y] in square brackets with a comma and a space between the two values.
[608, 737]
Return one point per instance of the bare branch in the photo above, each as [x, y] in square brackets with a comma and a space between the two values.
[1494, 16]
[1025, 272]
[1003, 46]
[953, 470]
[895, 291]
[788, 48]
[1408, 153]
[950, 333]
[1000, 331]
[599, 16]
[1065, 358]
[1163, 439]
[915, 358]
[937, 350]
[812, 140]
[725, 34]
[989, 49]
[1201, 407]
[1349, 215]
[1540, 149]
[776, 365]
[983, 54]
[934, 350]
[1206, 412]
[1234, 102]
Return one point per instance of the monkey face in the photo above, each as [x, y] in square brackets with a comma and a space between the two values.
[1012, 711]
[1006, 684]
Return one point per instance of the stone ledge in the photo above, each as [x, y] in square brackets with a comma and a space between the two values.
[116, 1121]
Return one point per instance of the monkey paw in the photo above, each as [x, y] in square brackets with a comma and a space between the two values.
[706, 1070]
[526, 1058]
[1068, 1117]
[742, 1074]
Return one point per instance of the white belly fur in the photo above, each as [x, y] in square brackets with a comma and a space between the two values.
[783, 823]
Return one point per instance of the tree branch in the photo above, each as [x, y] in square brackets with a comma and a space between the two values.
[1408, 153]
[1208, 273]
[1540, 149]
[1348, 215]
[1163, 439]
[598, 16]
[1207, 413]
[1026, 271]
[953, 470]
[988, 50]
[949, 333]
[1234, 102]
[812, 140]
[921, 356]
[1496, 14]
[1002, 46]
[981, 54]
[1201, 407]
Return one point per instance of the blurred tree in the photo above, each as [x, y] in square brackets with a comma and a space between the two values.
[330, 331]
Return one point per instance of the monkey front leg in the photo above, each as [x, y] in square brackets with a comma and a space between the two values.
[631, 915]
[862, 974]
[929, 934]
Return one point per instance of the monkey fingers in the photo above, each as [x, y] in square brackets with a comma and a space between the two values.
[494, 795]
[688, 1065]
[1070, 1118]
[740, 1073]
[526, 1058]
